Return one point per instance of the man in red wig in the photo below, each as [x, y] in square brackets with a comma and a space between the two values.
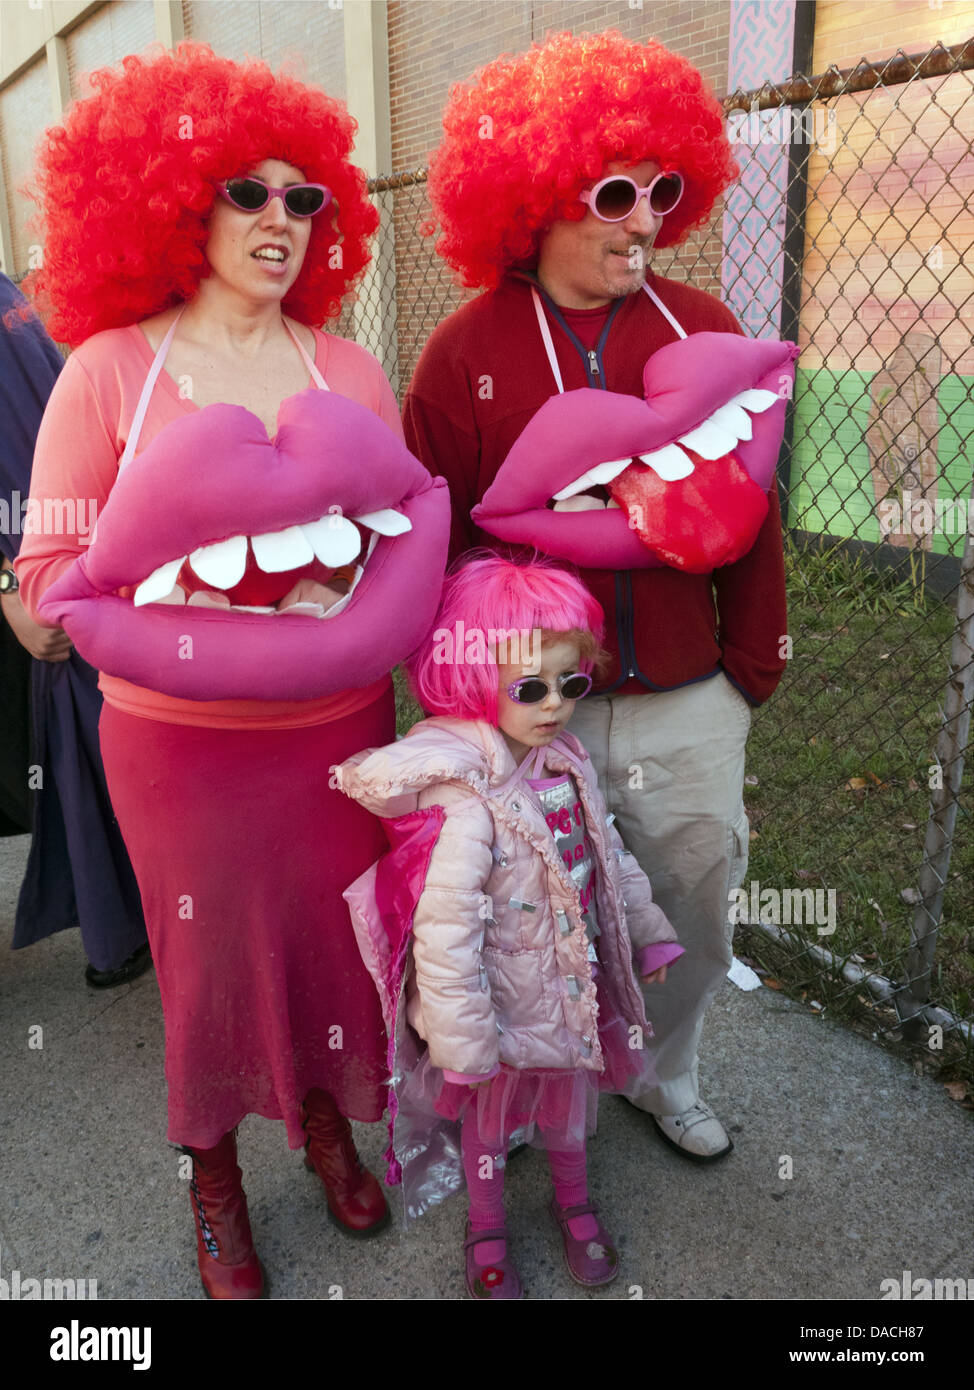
[560, 170]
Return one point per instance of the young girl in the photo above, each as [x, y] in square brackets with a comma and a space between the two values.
[521, 900]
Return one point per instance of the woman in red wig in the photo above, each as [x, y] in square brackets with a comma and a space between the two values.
[203, 216]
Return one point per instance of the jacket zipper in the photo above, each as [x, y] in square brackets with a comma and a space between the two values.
[589, 355]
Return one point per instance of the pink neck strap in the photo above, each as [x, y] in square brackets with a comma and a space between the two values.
[535, 759]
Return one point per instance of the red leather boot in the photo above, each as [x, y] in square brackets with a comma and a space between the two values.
[355, 1200]
[228, 1263]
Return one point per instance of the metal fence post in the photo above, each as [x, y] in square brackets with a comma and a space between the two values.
[939, 841]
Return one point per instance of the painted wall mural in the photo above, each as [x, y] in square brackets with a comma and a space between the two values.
[885, 318]
[883, 406]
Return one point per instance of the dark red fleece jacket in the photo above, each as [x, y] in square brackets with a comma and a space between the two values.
[481, 377]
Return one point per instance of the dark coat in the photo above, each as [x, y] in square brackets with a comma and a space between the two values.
[52, 781]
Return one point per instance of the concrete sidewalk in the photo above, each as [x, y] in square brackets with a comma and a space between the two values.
[89, 1187]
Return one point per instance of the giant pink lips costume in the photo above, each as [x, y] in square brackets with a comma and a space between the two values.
[238, 535]
[688, 468]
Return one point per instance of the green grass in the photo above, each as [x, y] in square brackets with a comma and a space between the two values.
[842, 755]
[408, 711]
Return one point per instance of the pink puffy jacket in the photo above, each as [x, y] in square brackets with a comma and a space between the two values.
[499, 946]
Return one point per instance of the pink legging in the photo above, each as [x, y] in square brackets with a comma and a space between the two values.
[485, 1176]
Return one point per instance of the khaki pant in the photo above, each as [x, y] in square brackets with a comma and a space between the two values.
[671, 766]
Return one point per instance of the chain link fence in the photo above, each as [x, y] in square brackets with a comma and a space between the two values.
[851, 231]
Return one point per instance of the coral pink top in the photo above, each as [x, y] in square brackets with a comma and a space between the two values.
[81, 439]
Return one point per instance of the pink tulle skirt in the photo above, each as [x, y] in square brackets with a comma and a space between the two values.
[555, 1109]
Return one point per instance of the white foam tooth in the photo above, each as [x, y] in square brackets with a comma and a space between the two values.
[612, 503]
[669, 463]
[159, 584]
[176, 597]
[334, 539]
[387, 521]
[604, 472]
[709, 440]
[734, 418]
[303, 609]
[598, 476]
[221, 564]
[580, 504]
[754, 400]
[205, 598]
[579, 485]
[277, 551]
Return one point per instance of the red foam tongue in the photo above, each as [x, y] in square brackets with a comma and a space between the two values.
[698, 523]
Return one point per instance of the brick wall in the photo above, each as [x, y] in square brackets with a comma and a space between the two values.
[104, 39]
[308, 37]
[435, 43]
[25, 109]
[847, 30]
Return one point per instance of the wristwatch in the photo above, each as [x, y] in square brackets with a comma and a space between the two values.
[9, 583]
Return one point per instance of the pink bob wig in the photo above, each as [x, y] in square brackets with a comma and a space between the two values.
[127, 183]
[526, 134]
[487, 594]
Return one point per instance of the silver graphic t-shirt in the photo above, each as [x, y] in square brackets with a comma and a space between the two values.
[563, 811]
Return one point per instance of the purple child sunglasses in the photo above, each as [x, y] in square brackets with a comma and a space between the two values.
[531, 690]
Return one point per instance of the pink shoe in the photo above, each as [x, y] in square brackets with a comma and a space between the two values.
[495, 1281]
[590, 1262]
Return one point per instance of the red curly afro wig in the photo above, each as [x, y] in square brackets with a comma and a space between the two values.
[527, 133]
[127, 184]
